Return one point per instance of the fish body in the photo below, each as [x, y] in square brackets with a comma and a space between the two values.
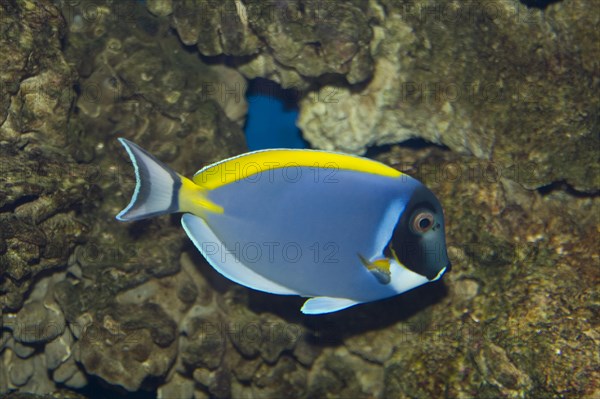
[336, 228]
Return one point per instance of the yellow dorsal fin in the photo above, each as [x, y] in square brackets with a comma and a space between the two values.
[247, 165]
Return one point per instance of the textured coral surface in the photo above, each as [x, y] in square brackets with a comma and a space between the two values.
[501, 98]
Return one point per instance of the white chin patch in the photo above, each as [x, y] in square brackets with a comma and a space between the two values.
[404, 279]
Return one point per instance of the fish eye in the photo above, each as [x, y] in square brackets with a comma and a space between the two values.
[422, 222]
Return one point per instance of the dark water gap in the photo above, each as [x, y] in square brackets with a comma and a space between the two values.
[272, 115]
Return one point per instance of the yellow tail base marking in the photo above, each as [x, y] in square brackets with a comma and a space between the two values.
[192, 199]
[248, 165]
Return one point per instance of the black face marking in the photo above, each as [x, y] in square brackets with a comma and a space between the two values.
[419, 239]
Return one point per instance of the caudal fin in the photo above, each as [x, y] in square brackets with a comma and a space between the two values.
[156, 189]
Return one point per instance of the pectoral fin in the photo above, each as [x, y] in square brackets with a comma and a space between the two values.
[380, 268]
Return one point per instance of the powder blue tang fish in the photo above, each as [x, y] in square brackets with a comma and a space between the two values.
[336, 228]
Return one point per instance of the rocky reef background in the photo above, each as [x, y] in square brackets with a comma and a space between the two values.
[500, 96]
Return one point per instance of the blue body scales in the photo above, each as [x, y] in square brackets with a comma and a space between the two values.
[336, 228]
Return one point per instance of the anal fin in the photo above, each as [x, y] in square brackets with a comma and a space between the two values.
[211, 247]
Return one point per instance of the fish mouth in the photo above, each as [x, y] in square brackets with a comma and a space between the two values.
[441, 272]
